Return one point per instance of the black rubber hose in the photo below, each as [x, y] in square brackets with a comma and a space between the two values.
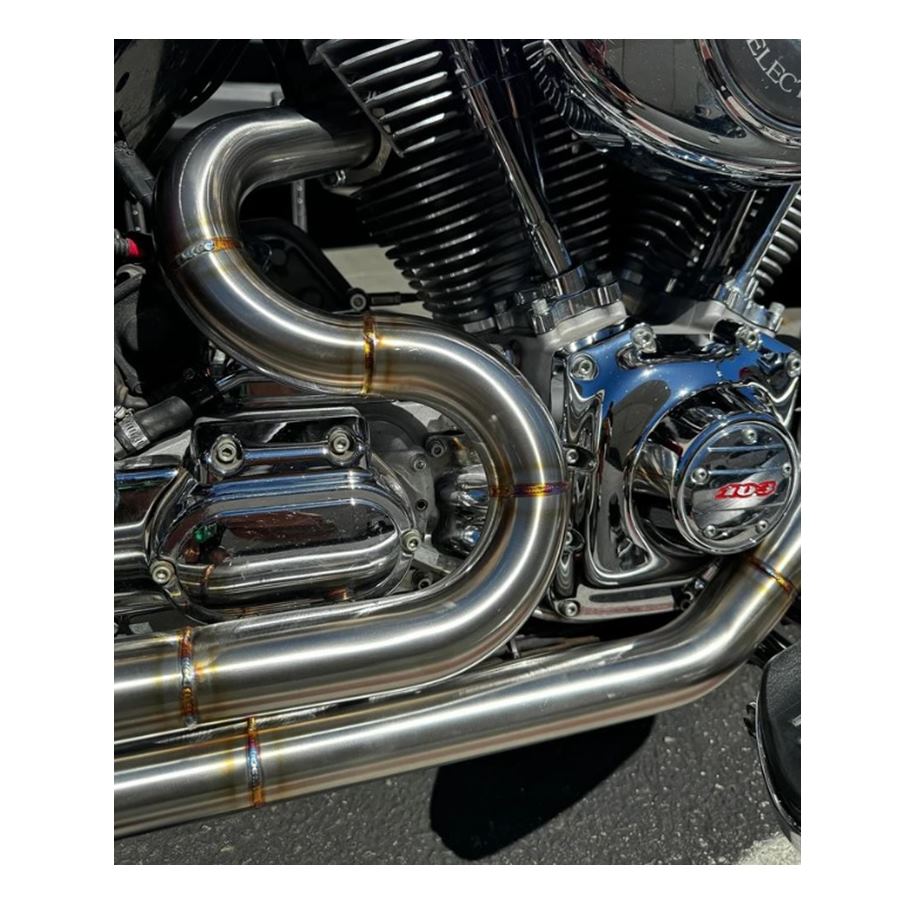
[147, 426]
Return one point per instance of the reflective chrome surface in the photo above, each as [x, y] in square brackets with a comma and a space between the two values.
[139, 487]
[617, 393]
[269, 758]
[672, 98]
[738, 292]
[276, 661]
[317, 535]
[714, 475]
[297, 510]
[464, 498]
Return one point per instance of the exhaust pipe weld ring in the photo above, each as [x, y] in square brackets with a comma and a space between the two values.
[784, 583]
[188, 677]
[210, 245]
[370, 341]
[254, 765]
[529, 489]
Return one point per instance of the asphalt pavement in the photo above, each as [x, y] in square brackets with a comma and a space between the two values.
[684, 787]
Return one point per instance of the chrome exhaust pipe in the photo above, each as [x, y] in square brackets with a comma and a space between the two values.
[204, 772]
[253, 666]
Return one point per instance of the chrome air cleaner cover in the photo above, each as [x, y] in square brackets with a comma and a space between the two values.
[729, 108]
[713, 479]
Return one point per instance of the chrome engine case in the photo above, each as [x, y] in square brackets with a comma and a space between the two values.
[640, 413]
[272, 503]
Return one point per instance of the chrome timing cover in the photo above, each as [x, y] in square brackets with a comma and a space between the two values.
[678, 448]
[714, 476]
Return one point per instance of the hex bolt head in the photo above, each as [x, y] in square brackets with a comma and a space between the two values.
[419, 464]
[436, 447]
[225, 450]
[792, 364]
[162, 571]
[710, 531]
[643, 338]
[700, 475]
[583, 367]
[340, 442]
[410, 540]
[749, 435]
[749, 337]
[569, 609]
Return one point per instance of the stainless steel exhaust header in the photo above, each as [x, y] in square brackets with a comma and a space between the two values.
[252, 666]
[203, 772]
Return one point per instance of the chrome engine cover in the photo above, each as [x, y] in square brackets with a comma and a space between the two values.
[268, 505]
[728, 108]
[642, 414]
[713, 477]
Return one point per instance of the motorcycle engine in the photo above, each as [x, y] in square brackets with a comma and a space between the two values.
[609, 215]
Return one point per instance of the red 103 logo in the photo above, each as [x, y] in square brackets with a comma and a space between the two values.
[742, 490]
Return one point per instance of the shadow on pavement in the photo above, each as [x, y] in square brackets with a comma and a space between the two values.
[482, 805]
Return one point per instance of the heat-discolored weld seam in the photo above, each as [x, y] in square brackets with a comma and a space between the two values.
[254, 765]
[529, 489]
[784, 583]
[370, 340]
[188, 677]
[210, 245]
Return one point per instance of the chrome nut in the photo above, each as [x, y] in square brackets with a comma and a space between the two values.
[411, 540]
[225, 455]
[792, 364]
[569, 609]
[643, 338]
[340, 442]
[583, 367]
[748, 337]
[162, 572]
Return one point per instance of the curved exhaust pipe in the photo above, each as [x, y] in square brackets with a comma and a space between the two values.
[273, 662]
[242, 764]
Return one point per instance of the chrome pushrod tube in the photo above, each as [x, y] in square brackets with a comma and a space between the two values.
[269, 758]
[273, 662]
